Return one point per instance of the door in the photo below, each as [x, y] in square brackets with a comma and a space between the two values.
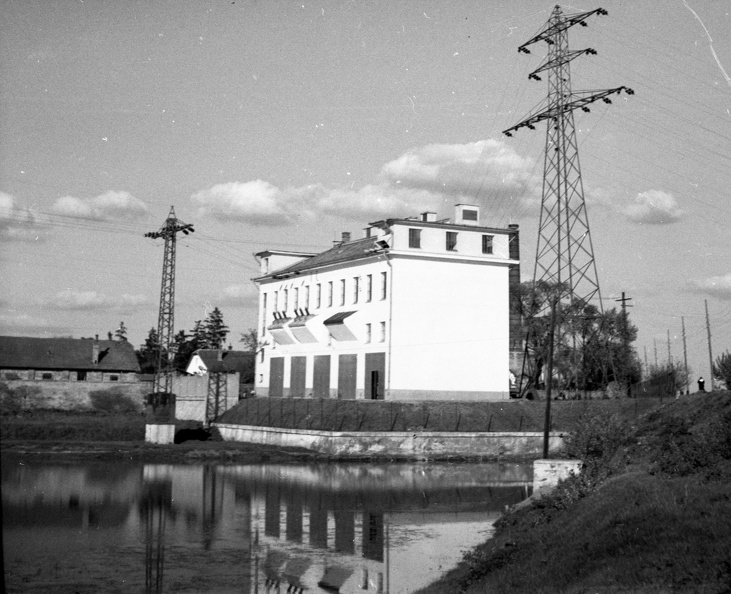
[321, 377]
[297, 377]
[347, 367]
[276, 377]
[375, 375]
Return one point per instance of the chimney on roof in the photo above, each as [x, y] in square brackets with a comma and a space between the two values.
[467, 214]
[95, 351]
[346, 236]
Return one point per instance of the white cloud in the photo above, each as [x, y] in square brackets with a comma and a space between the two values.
[425, 178]
[716, 286]
[17, 223]
[92, 300]
[110, 206]
[654, 207]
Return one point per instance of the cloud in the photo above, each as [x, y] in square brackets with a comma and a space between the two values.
[110, 206]
[716, 286]
[17, 223]
[70, 300]
[654, 207]
[425, 178]
[241, 295]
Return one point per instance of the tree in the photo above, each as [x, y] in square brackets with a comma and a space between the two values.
[215, 330]
[121, 332]
[722, 368]
[250, 340]
[149, 353]
[591, 348]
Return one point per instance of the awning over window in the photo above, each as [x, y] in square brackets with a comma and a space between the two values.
[334, 578]
[337, 328]
[299, 329]
[279, 332]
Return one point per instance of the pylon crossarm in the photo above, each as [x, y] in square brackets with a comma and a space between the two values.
[557, 24]
[559, 61]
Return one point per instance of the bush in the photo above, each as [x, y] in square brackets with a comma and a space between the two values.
[14, 401]
[114, 400]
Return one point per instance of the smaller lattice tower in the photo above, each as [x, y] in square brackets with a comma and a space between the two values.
[166, 319]
[564, 252]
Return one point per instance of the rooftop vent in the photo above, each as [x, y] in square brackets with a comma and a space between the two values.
[429, 217]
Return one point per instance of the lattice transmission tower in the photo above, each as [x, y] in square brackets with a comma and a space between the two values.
[564, 252]
[163, 380]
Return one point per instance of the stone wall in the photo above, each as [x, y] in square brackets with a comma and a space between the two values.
[64, 375]
[20, 395]
[419, 445]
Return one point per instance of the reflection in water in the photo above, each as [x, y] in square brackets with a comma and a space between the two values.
[253, 529]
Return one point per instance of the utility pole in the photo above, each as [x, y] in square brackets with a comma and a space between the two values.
[710, 352]
[625, 331]
[654, 342]
[564, 252]
[670, 354]
[163, 380]
[685, 359]
[647, 368]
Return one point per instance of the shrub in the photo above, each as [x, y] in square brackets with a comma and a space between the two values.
[114, 400]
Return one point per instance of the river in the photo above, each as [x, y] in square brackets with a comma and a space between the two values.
[133, 527]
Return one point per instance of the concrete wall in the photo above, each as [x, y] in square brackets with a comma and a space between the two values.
[34, 395]
[420, 445]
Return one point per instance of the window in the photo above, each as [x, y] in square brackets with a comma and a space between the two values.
[342, 292]
[451, 241]
[356, 288]
[263, 313]
[318, 296]
[368, 333]
[47, 376]
[275, 301]
[286, 301]
[384, 285]
[330, 294]
[414, 238]
[487, 244]
[296, 299]
[113, 378]
[382, 338]
[369, 288]
[469, 215]
[306, 303]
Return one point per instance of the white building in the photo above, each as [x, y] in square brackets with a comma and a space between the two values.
[415, 310]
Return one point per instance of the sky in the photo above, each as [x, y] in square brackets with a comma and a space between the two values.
[273, 124]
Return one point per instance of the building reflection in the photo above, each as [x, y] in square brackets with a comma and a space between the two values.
[262, 529]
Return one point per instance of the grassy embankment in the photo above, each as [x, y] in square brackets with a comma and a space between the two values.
[651, 512]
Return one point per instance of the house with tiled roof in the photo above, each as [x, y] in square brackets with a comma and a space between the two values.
[67, 360]
[417, 309]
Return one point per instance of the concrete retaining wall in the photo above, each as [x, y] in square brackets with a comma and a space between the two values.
[420, 445]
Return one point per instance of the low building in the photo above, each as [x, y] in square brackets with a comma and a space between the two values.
[418, 309]
[67, 360]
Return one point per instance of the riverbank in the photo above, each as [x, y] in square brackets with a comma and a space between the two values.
[651, 512]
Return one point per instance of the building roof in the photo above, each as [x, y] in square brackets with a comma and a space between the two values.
[22, 352]
[343, 252]
[231, 361]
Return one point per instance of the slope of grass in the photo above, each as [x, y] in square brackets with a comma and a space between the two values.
[651, 512]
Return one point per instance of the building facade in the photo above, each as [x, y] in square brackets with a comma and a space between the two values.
[418, 309]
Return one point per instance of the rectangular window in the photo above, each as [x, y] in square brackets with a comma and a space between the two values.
[275, 301]
[451, 241]
[330, 294]
[368, 333]
[318, 296]
[469, 215]
[356, 288]
[487, 244]
[47, 376]
[369, 287]
[384, 285]
[80, 376]
[342, 292]
[286, 301]
[414, 238]
[306, 303]
[382, 338]
[296, 298]
[113, 378]
[263, 313]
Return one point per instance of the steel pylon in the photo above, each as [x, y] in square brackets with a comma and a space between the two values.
[564, 251]
[163, 380]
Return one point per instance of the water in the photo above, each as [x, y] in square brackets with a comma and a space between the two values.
[119, 527]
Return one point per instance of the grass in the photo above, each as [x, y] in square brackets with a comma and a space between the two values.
[651, 512]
